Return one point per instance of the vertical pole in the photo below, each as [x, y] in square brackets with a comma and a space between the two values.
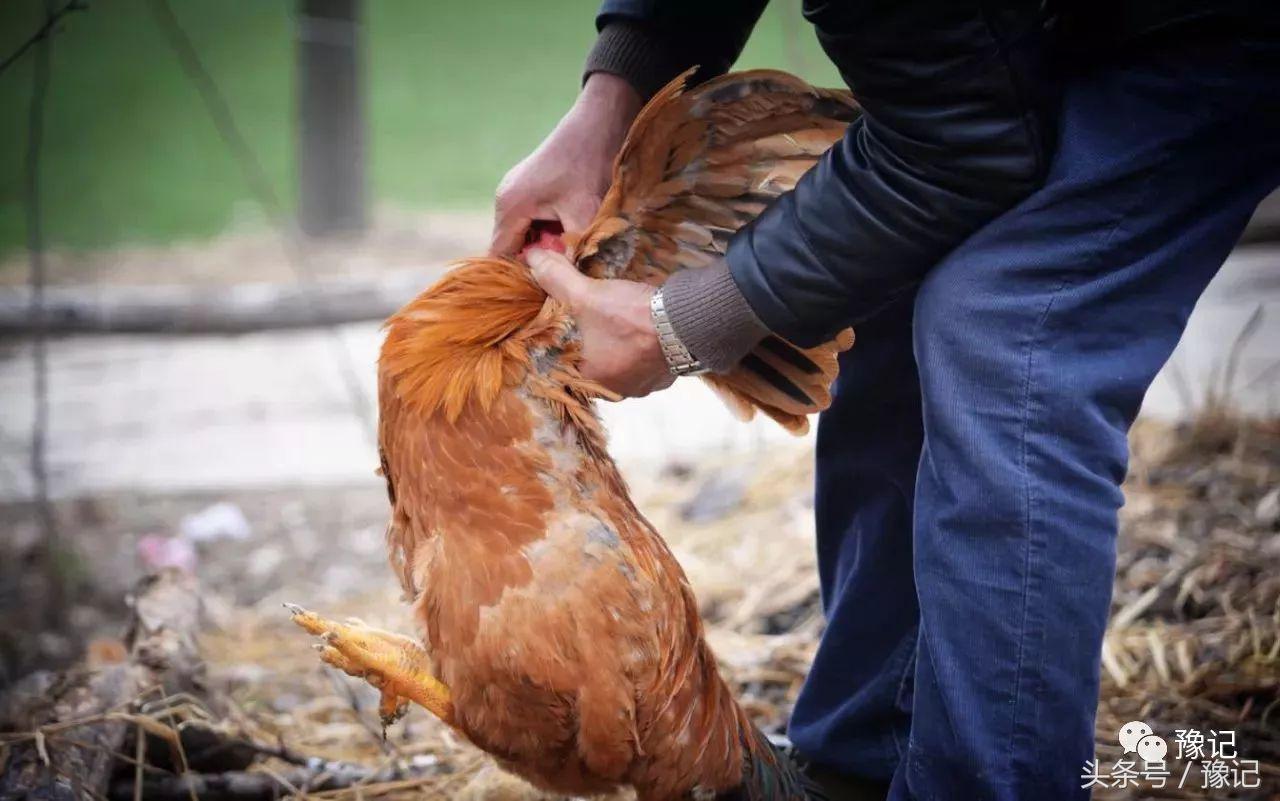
[331, 169]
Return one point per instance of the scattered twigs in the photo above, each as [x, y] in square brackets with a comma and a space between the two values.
[1137, 607]
[95, 708]
[316, 780]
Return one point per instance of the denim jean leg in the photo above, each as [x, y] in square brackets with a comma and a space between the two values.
[853, 712]
[1036, 341]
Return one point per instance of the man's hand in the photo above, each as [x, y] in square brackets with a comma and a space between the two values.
[620, 349]
[566, 177]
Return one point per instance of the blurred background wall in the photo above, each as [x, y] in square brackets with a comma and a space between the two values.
[456, 93]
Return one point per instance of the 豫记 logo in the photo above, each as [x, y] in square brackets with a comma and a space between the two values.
[1214, 760]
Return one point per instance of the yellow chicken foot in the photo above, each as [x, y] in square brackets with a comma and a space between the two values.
[391, 707]
[396, 665]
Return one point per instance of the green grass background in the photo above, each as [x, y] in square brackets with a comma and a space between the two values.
[457, 93]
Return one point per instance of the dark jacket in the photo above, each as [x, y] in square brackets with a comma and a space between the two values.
[952, 135]
[958, 127]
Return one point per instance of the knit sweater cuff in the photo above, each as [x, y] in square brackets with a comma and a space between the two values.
[632, 52]
[711, 317]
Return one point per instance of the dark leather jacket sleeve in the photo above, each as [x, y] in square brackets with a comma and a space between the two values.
[950, 138]
[955, 130]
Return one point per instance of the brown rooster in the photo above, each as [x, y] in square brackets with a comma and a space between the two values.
[559, 633]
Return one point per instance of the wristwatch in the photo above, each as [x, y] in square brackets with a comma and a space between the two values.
[679, 359]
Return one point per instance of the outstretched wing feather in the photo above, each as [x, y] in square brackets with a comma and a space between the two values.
[697, 166]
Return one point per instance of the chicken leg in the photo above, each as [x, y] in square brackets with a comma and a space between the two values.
[396, 665]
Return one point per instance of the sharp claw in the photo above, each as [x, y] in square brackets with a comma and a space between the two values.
[329, 637]
[390, 720]
[319, 647]
[294, 609]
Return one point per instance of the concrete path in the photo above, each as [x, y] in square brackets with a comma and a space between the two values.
[166, 414]
[175, 414]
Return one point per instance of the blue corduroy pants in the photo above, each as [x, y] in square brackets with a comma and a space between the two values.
[969, 468]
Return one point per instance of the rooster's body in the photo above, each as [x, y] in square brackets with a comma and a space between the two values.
[563, 631]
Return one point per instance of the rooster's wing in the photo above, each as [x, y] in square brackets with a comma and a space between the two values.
[699, 164]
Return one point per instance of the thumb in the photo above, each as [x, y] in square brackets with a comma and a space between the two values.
[558, 276]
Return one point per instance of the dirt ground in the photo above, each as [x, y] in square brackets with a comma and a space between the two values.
[1195, 641]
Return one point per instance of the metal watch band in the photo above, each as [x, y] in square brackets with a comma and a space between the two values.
[679, 359]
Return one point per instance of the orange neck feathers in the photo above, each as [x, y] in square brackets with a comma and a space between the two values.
[468, 337]
[483, 328]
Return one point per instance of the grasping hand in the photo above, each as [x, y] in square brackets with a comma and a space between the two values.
[620, 349]
[566, 177]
